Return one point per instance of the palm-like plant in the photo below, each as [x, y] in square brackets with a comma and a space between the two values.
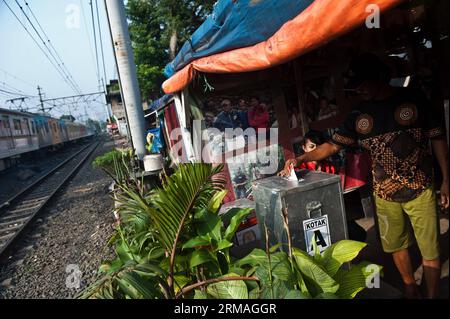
[172, 243]
[187, 191]
[159, 221]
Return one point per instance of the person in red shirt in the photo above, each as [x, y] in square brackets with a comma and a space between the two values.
[311, 140]
[258, 117]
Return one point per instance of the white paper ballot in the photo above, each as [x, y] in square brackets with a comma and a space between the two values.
[292, 176]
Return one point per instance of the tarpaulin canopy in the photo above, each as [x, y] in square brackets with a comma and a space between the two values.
[321, 22]
[162, 101]
[236, 24]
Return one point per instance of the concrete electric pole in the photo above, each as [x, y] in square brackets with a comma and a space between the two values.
[127, 73]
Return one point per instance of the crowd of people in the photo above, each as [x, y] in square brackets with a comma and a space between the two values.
[243, 115]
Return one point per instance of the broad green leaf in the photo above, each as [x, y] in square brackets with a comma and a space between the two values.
[181, 281]
[281, 267]
[127, 289]
[295, 294]
[352, 281]
[123, 252]
[300, 281]
[341, 252]
[230, 289]
[198, 294]
[275, 290]
[181, 262]
[223, 244]
[216, 201]
[311, 269]
[149, 269]
[254, 258]
[251, 284]
[235, 221]
[274, 248]
[142, 286]
[198, 242]
[253, 294]
[116, 265]
[155, 253]
[240, 271]
[201, 256]
[208, 224]
[326, 295]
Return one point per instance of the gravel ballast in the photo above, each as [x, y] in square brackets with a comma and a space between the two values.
[66, 241]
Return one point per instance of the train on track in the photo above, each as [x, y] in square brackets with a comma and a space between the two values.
[23, 132]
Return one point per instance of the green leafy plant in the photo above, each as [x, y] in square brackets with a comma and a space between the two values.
[115, 163]
[172, 242]
[175, 233]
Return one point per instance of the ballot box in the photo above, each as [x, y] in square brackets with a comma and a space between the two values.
[314, 206]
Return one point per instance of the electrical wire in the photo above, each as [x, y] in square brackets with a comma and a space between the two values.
[66, 76]
[87, 32]
[35, 41]
[17, 78]
[54, 49]
[10, 87]
[95, 42]
[101, 45]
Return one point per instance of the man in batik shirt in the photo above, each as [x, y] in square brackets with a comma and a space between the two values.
[395, 125]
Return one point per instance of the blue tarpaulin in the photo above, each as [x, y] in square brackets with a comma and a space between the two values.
[236, 24]
[162, 101]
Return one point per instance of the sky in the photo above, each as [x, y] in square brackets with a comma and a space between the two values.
[68, 25]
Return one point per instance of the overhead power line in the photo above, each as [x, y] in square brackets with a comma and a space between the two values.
[67, 76]
[10, 87]
[54, 49]
[34, 40]
[95, 43]
[86, 30]
[14, 93]
[17, 78]
[101, 43]
[58, 69]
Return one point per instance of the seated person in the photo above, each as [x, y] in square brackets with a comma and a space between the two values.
[311, 140]
[227, 118]
[326, 109]
[258, 117]
[243, 114]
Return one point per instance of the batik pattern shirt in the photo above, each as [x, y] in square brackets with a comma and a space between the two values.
[396, 133]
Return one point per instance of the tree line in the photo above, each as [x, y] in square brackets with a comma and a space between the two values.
[158, 28]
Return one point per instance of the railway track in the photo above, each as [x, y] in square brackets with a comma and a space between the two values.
[20, 210]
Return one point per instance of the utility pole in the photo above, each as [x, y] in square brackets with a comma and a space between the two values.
[108, 116]
[127, 73]
[40, 99]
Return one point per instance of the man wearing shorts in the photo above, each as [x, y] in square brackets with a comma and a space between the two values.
[395, 125]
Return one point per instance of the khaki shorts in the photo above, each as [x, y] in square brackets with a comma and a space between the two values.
[395, 221]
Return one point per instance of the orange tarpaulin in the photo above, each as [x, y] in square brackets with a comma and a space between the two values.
[321, 22]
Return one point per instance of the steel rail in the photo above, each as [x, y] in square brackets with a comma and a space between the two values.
[36, 196]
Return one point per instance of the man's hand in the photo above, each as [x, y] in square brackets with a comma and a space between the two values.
[287, 167]
[321, 152]
[444, 194]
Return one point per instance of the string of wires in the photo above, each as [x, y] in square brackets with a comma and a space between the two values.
[44, 48]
